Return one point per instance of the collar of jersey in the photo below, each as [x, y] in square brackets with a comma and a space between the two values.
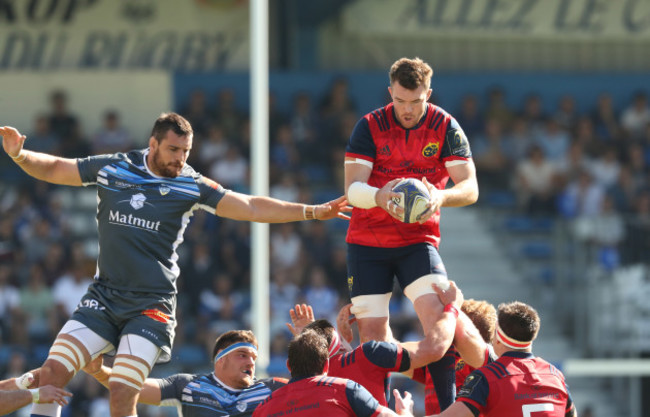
[228, 387]
[424, 117]
[519, 355]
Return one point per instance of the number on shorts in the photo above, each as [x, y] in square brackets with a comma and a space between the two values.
[528, 409]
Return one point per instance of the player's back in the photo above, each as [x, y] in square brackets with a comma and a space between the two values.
[317, 396]
[370, 365]
[518, 384]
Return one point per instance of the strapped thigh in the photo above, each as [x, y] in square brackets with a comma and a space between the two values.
[422, 286]
[134, 360]
[372, 305]
[76, 345]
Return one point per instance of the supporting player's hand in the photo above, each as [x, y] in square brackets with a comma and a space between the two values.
[452, 295]
[332, 209]
[384, 199]
[301, 315]
[94, 366]
[12, 140]
[403, 405]
[435, 201]
[344, 322]
[52, 394]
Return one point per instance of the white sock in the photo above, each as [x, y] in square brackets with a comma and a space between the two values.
[46, 410]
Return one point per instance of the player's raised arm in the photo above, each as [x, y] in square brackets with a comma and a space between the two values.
[239, 206]
[50, 168]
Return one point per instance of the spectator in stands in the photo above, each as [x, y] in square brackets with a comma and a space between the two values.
[518, 140]
[606, 168]
[42, 139]
[37, 307]
[9, 301]
[605, 119]
[283, 294]
[497, 108]
[320, 295]
[68, 290]
[286, 247]
[582, 197]
[534, 183]
[303, 120]
[232, 169]
[533, 113]
[553, 140]
[62, 123]
[197, 113]
[566, 114]
[490, 158]
[469, 116]
[112, 137]
[573, 162]
[227, 115]
[636, 116]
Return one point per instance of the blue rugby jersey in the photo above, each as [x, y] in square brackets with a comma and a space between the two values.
[141, 219]
[205, 396]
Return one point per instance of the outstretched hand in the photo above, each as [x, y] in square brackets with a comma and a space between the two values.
[52, 394]
[403, 405]
[301, 316]
[344, 322]
[332, 209]
[12, 140]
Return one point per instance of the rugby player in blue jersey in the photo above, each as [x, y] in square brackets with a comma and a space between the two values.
[145, 200]
[230, 390]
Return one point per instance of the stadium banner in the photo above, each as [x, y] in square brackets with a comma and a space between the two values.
[545, 19]
[186, 35]
[138, 96]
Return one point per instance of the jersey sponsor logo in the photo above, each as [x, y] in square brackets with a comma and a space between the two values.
[164, 190]
[470, 383]
[90, 303]
[385, 151]
[115, 217]
[137, 201]
[156, 315]
[126, 185]
[533, 395]
[430, 150]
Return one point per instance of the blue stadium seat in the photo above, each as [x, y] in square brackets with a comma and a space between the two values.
[536, 250]
[501, 200]
[190, 355]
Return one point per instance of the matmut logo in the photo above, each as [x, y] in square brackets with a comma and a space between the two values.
[115, 217]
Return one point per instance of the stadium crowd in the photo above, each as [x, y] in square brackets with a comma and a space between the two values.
[587, 167]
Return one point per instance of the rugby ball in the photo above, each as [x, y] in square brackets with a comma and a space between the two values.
[414, 198]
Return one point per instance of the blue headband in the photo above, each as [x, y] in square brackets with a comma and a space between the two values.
[230, 348]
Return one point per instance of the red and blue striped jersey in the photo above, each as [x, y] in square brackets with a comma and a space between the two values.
[378, 140]
[517, 384]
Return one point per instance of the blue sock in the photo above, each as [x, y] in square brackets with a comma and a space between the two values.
[443, 375]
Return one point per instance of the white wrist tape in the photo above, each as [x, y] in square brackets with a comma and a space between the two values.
[35, 395]
[24, 381]
[362, 195]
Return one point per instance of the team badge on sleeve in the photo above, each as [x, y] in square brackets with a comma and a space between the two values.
[470, 383]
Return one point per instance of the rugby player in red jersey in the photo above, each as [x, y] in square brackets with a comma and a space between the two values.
[408, 138]
[518, 383]
[311, 392]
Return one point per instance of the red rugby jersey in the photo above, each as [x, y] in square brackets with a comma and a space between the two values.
[422, 375]
[370, 365]
[319, 396]
[395, 152]
[517, 384]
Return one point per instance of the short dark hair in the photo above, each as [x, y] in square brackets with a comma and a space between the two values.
[411, 73]
[308, 354]
[518, 321]
[483, 315]
[230, 338]
[322, 327]
[171, 121]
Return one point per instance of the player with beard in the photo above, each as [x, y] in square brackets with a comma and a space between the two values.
[145, 201]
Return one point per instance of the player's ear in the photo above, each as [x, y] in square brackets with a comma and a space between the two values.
[429, 94]
[390, 91]
[152, 143]
[288, 367]
[326, 368]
